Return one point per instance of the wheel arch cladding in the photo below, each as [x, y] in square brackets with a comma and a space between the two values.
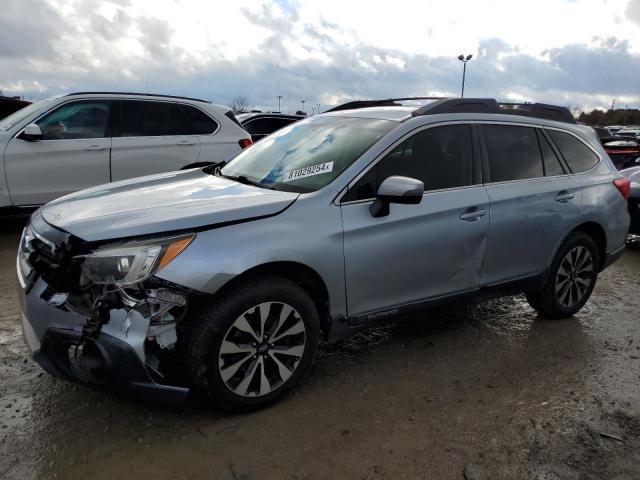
[298, 273]
[595, 231]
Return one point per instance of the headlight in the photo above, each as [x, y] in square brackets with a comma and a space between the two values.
[131, 262]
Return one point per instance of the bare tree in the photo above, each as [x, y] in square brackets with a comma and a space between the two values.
[239, 104]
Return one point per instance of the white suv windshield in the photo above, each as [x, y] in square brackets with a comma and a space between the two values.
[16, 117]
[307, 155]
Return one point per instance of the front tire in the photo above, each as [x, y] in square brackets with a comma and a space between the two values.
[571, 278]
[251, 346]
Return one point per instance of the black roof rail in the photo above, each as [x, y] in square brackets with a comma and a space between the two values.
[490, 105]
[387, 102]
[540, 110]
[140, 94]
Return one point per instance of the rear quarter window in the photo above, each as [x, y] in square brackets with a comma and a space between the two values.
[514, 153]
[578, 156]
[199, 122]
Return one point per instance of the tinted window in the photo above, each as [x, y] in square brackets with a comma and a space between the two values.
[258, 126]
[76, 120]
[514, 153]
[199, 122]
[150, 119]
[578, 156]
[178, 123]
[144, 119]
[441, 157]
[266, 126]
[552, 164]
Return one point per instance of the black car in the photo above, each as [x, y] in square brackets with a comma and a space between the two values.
[260, 125]
[623, 151]
[8, 105]
[634, 199]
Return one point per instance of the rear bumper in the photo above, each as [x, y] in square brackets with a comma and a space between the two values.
[109, 362]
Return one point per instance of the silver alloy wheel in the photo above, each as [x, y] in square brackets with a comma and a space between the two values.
[574, 276]
[262, 349]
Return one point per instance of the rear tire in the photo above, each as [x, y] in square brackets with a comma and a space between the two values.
[250, 347]
[571, 278]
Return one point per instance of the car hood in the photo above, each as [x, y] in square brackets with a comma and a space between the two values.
[161, 203]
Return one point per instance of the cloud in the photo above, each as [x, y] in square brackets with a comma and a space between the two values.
[288, 48]
[633, 11]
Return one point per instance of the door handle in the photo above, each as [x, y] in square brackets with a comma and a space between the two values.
[472, 215]
[186, 143]
[95, 148]
[564, 196]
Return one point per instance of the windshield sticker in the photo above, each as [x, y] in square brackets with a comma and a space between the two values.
[308, 171]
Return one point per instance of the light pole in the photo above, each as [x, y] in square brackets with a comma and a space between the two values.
[318, 105]
[302, 102]
[464, 61]
[279, 98]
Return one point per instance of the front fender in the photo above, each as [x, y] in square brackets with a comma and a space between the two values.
[309, 236]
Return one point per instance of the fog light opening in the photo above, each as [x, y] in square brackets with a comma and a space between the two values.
[88, 362]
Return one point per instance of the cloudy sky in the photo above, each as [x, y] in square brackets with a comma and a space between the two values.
[582, 53]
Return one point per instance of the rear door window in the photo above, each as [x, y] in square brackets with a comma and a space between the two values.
[578, 156]
[153, 119]
[145, 119]
[513, 151]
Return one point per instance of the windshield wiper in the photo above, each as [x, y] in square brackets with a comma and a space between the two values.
[245, 181]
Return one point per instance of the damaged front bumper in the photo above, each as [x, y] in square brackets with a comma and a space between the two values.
[119, 358]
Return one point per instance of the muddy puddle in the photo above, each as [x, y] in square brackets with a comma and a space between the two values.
[490, 390]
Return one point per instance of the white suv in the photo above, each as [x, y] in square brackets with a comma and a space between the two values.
[59, 145]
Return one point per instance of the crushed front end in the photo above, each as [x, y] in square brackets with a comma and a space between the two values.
[95, 313]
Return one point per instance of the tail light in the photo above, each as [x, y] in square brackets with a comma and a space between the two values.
[245, 142]
[623, 185]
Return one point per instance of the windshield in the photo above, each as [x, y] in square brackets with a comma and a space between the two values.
[7, 122]
[307, 155]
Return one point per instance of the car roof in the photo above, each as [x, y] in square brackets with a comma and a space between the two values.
[243, 117]
[135, 95]
[211, 107]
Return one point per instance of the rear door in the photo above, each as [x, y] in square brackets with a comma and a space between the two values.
[73, 153]
[417, 252]
[219, 140]
[533, 200]
[151, 137]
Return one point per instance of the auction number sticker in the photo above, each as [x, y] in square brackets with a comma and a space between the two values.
[308, 171]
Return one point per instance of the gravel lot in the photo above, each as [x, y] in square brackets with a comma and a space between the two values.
[488, 392]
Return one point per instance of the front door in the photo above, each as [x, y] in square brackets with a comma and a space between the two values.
[417, 252]
[73, 154]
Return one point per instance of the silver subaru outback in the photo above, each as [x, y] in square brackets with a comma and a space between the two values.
[225, 279]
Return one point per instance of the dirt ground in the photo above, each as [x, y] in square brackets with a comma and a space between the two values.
[484, 392]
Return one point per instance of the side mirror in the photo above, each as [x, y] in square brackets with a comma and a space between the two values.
[31, 133]
[396, 189]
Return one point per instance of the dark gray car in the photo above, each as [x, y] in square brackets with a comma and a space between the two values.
[226, 280]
